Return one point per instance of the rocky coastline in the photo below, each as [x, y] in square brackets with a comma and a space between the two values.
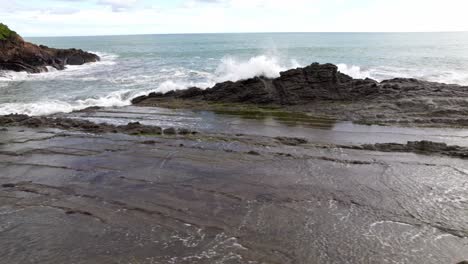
[251, 171]
[18, 55]
[321, 90]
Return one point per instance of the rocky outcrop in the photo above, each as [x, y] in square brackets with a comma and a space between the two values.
[19, 55]
[421, 147]
[321, 90]
[316, 82]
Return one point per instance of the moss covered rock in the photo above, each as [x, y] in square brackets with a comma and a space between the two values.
[5, 32]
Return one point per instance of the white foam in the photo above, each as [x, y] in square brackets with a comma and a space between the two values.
[47, 107]
[232, 69]
[381, 73]
[353, 71]
[229, 69]
[130, 85]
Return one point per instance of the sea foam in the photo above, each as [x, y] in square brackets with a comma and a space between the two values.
[132, 84]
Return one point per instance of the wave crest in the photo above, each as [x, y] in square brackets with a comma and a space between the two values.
[48, 107]
[232, 69]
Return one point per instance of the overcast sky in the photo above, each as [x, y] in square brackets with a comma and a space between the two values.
[115, 17]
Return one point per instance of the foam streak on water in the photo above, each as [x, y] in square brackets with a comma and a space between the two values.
[136, 65]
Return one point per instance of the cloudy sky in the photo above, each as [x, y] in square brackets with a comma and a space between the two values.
[114, 17]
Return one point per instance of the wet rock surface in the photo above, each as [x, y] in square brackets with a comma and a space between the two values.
[132, 128]
[223, 199]
[424, 147]
[322, 90]
[109, 186]
[19, 55]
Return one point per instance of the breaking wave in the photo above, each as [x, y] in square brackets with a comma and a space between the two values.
[118, 98]
[231, 69]
[381, 73]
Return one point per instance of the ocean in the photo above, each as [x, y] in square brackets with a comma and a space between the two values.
[136, 65]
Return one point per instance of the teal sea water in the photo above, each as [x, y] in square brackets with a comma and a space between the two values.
[135, 65]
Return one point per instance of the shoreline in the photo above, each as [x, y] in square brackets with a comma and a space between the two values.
[321, 90]
[234, 182]
[139, 194]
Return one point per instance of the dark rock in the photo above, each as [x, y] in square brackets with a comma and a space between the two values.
[170, 131]
[89, 109]
[71, 212]
[75, 124]
[296, 86]
[138, 129]
[184, 131]
[255, 153]
[19, 55]
[142, 98]
[422, 147]
[8, 185]
[149, 142]
[33, 122]
[291, 141]
[322, 83]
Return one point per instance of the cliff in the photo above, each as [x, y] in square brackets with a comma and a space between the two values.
[19, 55]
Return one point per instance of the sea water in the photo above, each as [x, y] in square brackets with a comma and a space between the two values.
[136, 65]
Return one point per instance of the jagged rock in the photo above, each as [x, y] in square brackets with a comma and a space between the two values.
[19, 55]
[296, 86]
[322, 90]
[316, 82]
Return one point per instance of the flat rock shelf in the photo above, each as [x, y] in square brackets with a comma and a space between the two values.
[240, 190]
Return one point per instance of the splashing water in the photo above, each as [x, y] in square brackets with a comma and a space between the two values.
[136, 65]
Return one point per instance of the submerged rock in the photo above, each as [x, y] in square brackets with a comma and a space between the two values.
[19, 55]
[423, 147]
[291, 141]
[169, 131]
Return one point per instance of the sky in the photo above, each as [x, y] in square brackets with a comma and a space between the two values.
[121, 17]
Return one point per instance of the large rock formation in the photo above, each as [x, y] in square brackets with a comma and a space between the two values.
[316, 82]
[321, 90]
[19, 55]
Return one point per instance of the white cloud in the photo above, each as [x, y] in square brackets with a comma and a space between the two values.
[191, 16]
[119, 5]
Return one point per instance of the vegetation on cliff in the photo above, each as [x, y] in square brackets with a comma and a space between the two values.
[5, 32]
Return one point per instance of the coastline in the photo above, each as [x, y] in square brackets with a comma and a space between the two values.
[243, 189]
[185, 178]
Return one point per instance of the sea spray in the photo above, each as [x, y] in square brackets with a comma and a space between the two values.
[137, 65]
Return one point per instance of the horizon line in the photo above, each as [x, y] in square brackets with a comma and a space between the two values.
[266, 32]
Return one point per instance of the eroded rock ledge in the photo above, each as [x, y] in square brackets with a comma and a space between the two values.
[19, 55]
[134, 128]
[315, 82]
[321, 90]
